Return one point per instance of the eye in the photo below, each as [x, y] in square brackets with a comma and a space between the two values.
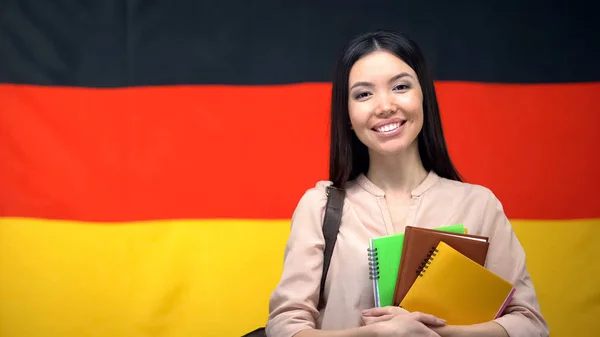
[402, 87]
[361, 95]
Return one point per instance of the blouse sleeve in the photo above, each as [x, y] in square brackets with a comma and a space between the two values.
[506, 257]
[293, 303]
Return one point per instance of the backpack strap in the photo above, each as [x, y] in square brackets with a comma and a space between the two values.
[331, 227]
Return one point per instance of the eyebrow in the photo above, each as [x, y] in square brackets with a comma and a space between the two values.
[369, 84]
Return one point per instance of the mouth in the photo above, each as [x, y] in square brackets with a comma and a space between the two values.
[388, 127]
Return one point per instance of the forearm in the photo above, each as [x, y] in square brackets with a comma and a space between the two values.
[363, 331]
[489, 329]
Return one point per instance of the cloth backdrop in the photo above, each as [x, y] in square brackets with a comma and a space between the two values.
[152, 152]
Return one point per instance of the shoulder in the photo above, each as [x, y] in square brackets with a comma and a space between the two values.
[312, 203]
[307, 218]
[316, 196]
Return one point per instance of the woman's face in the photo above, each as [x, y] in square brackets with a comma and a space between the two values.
[385, 103]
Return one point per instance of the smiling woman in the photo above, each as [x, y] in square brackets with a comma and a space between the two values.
[379, 83]
[385, 109]
[388, 152]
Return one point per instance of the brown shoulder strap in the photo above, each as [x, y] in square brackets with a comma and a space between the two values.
[331, 227]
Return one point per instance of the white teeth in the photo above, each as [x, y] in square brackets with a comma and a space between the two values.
[388, 127]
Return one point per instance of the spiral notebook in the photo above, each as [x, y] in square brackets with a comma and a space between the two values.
[419, 244]
[384, 262]
[453, 287]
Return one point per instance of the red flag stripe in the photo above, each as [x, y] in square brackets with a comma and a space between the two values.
[250, 152]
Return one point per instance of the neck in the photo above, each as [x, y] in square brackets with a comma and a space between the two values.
[397, 175]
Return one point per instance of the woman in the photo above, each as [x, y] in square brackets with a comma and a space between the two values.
[388, 152]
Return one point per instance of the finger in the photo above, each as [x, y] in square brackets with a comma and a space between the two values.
[366, 320]
[398, 310]
[427, 319]
[376, 311]
[389, 310]
[376, 319]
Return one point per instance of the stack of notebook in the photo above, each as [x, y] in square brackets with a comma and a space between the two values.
[438, 271]
[384, 258]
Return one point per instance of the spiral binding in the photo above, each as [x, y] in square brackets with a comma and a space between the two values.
[373, 264]
[427, 261]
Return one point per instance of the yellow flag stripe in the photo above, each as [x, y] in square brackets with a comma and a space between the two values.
[213, 277]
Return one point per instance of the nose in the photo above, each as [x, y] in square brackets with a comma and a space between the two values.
[385, 105]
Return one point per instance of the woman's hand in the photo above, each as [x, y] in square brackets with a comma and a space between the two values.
[409, 325]
[375, 315]
[395, 321]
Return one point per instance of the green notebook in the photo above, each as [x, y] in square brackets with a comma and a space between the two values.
[384, 262]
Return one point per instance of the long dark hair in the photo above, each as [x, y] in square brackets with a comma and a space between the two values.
[348, 156]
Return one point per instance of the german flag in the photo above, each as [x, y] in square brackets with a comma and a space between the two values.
[152, 152]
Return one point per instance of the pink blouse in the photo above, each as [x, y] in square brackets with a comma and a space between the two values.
[348, 290]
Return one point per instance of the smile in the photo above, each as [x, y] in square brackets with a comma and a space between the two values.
[389, 128]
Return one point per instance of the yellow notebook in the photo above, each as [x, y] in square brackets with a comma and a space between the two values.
[453, 287]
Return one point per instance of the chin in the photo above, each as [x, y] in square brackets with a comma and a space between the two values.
[391, 150]
[390, 146]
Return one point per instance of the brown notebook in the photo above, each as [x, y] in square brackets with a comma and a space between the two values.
[419, 244]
